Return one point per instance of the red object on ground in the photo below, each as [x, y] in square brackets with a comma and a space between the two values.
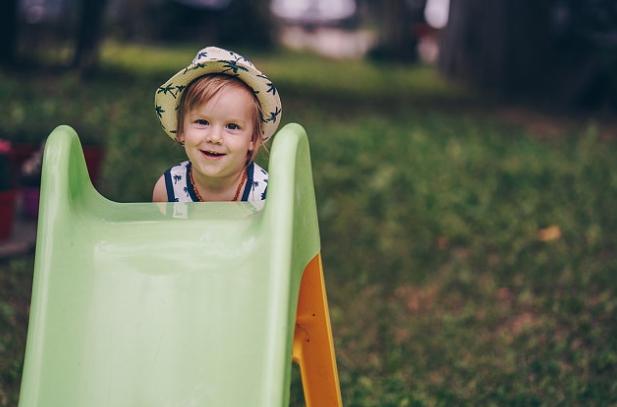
[7, 213]
[30, 202]
[20, 152]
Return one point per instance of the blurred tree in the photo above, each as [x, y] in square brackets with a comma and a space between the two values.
[8, 31]
[248, 22]
[230, 23]
[498, 45]
[133, 19]
[89, 34]
[564, 51]
[585, 43]
[396, 22]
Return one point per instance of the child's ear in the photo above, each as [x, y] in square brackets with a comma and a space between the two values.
[255, 142]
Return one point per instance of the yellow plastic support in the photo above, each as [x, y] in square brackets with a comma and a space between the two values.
[313, 348]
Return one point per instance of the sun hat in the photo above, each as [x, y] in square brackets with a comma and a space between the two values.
[212, 60]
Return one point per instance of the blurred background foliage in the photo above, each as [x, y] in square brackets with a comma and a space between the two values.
[465, 173]
[558, 51]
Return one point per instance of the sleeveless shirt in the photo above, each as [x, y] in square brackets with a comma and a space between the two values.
[180, 189]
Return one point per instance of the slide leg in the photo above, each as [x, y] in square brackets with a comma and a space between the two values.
[313, 348]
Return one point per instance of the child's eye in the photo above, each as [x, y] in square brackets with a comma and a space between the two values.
[201, 122]
[233, 126]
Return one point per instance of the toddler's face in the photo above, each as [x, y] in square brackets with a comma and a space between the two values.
[217, 134]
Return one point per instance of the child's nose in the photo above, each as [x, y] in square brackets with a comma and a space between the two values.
[214, 135]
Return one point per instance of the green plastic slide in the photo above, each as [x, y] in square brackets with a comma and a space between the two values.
[144, 304]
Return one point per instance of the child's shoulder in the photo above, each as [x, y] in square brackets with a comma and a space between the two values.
[174, 181]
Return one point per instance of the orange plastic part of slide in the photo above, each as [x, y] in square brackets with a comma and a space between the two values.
[313, 348]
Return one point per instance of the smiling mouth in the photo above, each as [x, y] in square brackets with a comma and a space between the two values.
[211, 154]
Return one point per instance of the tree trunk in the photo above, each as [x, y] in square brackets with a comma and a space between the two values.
[248, 22]
[89, 35]
[397, 40]
[499, 45]
[8, 32]
[134, 14]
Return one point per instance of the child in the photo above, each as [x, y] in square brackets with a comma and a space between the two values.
[221, 109]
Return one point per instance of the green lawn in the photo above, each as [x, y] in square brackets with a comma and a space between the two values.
[468, 260]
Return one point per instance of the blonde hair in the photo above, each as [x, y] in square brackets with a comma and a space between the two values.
[205, 88]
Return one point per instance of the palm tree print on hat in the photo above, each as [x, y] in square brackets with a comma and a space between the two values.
[239, 57]
[159, 111]
[270, 85]
[166, 89]
[174, 91]
[192, 67]
[273, 115]
[232, 65]
[201, 54]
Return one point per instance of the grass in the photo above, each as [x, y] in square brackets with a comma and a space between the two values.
[468, 260]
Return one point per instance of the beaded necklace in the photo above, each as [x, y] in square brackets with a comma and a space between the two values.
[198, 195]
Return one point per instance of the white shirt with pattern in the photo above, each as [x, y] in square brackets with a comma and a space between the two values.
[180, 189]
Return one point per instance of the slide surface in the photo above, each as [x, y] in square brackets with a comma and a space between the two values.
[144, 304]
